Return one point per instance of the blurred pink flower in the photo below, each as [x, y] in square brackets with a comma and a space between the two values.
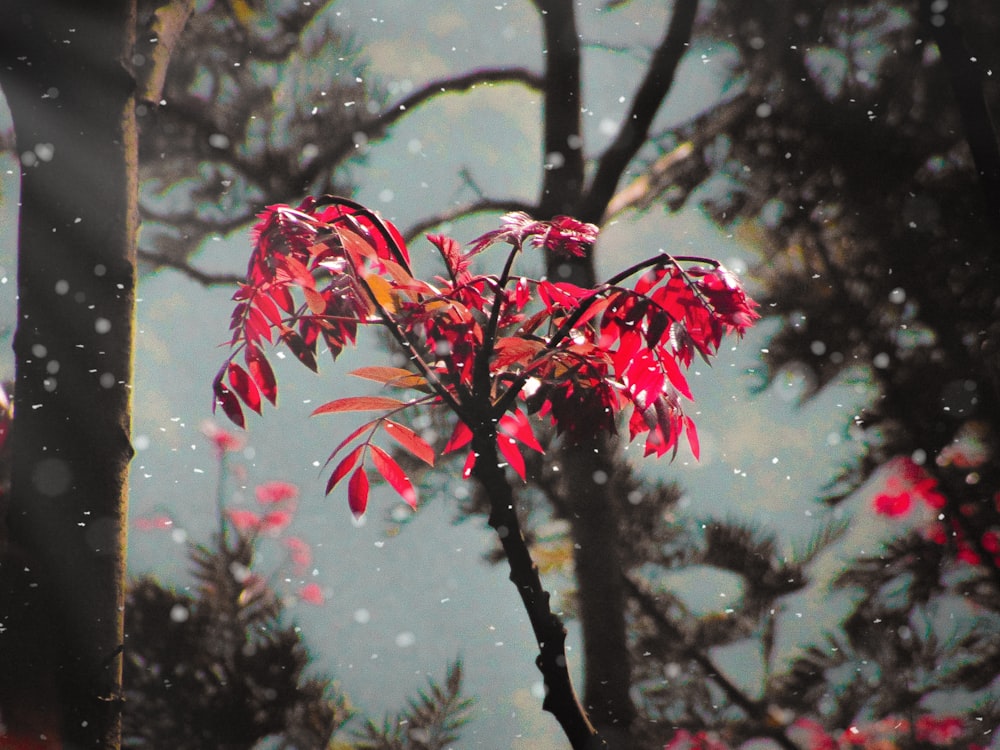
[311, 593]
[275, 522]
[153, 523]
[301, 552]
[244, 521]
[276, 492]
[223, 440]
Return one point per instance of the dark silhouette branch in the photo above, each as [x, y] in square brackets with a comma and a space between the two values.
[341, 147]
[463, 210]
[635, 129]
[204, 278]
[560, 697]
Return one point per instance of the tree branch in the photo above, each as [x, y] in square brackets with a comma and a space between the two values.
[202, 277]
[560, 697]
[650, 95]
[463, 210]
[339, 148]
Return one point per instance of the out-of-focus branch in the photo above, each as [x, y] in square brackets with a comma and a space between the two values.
[635, 129]
[202, 277]
[682, 168]
[966, 75]
[164, 32]
[462, 210]
[338, 149]
[755, 710]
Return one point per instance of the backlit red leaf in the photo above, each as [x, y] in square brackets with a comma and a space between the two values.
[357, 492]
[517, 426]
[692, 437]
[393, 473]
[229, 402]
[461, 436]
[358, 403]
[243, 385]
[509, 450]
[394, 376]
[411, 441]
[345, 465]
[262, 374]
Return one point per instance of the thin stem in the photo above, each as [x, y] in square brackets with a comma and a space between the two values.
[481, 374]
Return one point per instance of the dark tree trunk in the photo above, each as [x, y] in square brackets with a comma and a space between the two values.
[65, 76]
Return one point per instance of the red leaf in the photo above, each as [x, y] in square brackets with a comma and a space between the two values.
[677, 378]
[358, 403]
[345, 465]
[509, 450]
[461, 436]
[517, 426]
[349, 438]
[411, 441]
[314, 300]
[228, 401]
[262, 374]
[395, 376]
[244, 387]
[513, 349]
[268, 307]
[393, 473]
[300, 349]
[297, 271]
[692, 437]
[470, 464]
[258, 326]
[357, 492]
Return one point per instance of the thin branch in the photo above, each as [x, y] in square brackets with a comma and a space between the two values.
[651, 93]
[202, 277]
[683, 166]
[463, 210]
[338, 148]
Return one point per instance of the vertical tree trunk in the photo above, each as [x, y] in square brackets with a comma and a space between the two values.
[64, 72]
[592, 510]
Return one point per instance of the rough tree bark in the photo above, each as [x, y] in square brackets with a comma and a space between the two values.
[64, 69]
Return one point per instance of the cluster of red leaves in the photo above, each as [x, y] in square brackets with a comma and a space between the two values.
[495, 349]
[908, 485]
[886, 734]
[890, 733]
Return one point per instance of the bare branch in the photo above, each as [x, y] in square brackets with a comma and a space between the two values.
[682, 168]
[202, 277]
[460, 211]
[650, 95]
[339, 148]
